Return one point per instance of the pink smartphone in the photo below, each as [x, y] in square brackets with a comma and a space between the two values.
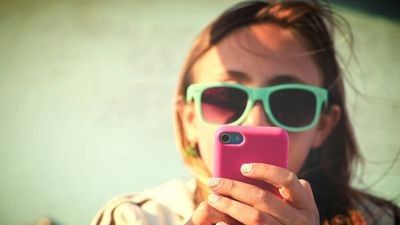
[236, 145]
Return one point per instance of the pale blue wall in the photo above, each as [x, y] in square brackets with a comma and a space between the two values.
[86, 94]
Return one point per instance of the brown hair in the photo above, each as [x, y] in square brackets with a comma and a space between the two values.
[328, 169]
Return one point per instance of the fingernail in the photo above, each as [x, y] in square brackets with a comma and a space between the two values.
[213, 182]
[246, 168]
[213, 198]
[219, 223]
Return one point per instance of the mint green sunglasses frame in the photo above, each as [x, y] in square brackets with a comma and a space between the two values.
[195, 92]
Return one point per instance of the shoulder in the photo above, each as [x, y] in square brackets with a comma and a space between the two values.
[170, 203]
[375, 210]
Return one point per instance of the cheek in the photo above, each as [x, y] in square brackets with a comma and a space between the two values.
[299, 148]
[206, 145]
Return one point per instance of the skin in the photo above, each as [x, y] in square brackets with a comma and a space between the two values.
[257, 56]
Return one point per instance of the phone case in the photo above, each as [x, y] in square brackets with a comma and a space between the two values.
[260, 145]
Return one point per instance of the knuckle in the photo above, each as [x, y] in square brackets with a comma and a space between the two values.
[305, 183]
[230, 185]
[290, 179]
[262, 196]
[226, 203]
[203, 209]
[256, 218]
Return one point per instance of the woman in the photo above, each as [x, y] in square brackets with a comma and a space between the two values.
[261, 44]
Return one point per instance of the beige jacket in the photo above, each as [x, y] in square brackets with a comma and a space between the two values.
[172, 204]
[168, 204]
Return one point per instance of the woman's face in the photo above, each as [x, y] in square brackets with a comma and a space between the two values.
[257, 56]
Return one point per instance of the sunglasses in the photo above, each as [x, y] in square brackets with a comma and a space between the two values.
[293, 107]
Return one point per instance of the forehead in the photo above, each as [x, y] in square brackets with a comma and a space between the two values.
[261, 53]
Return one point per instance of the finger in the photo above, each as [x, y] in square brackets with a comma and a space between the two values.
[239, 211]
[204, 214]
[283, 179]
[222, 223]
[307, 187]
[254, 196]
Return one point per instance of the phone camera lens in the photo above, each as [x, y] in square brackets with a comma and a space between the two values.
[225, 138]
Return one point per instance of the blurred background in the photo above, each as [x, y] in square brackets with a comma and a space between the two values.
[86, 99]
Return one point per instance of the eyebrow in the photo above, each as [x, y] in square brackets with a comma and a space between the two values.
[237, 75]
[285, 78]
[279, 79]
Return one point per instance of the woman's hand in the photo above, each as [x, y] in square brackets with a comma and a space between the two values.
[249, 204]
[205, 214]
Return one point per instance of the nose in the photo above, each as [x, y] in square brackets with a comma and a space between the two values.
[257, 116]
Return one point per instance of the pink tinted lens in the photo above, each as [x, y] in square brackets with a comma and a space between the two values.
[222, 105]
